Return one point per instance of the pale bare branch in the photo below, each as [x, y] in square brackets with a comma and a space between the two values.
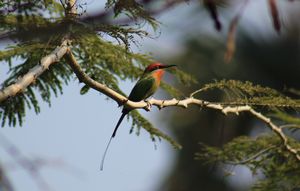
[23, 82]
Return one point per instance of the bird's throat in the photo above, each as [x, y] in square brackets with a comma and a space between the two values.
[158, 74]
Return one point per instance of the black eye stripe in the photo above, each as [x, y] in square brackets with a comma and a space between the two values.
[155, 68]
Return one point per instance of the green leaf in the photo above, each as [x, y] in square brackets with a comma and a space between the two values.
[84, 89]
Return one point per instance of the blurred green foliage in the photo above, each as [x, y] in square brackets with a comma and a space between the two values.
[264, 155]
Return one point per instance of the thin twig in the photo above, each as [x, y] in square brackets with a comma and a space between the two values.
[258, 154]
[62, 4]
[29, 166]
[290, 126]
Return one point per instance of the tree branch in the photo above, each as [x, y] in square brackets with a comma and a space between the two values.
[22, 83]
[253, 157]
[29, 78]
[83, 77]
[120, 99]
[30, 166]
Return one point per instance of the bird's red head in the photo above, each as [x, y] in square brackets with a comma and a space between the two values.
[156, 66]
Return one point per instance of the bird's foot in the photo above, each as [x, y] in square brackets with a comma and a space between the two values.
[148, 106]
[121, 103]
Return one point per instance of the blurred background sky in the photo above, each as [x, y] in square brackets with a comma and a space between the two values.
[75, 129]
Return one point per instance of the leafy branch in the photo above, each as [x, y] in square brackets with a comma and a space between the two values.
[264, 154]
[122, 100]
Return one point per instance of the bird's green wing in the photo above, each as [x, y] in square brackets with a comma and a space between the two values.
[143, 89]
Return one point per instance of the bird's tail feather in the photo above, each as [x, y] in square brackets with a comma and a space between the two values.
[112, 136]
[118, 124]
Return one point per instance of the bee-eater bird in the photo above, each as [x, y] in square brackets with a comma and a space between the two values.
[145, 87]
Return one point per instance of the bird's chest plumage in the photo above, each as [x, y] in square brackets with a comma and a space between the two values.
[157, 75]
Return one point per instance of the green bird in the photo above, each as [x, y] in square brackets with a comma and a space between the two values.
[145, 87]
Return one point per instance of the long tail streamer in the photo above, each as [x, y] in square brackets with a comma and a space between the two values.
[112, 136]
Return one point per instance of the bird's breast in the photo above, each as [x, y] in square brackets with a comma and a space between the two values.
[158, 75]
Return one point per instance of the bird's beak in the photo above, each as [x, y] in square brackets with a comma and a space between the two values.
[167, 66]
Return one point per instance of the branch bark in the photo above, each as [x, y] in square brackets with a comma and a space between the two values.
[22, 83]
[184, 103]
